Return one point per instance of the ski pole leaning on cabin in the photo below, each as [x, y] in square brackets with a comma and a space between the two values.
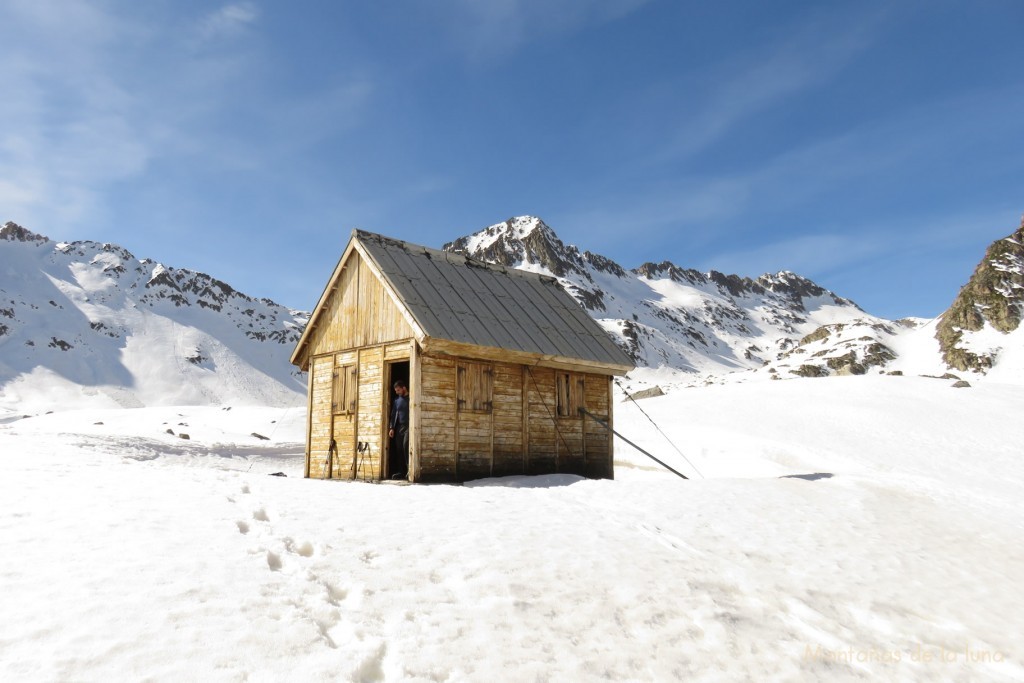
[328, 472]
[604, 424]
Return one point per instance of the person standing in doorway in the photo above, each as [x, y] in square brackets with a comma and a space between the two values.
[398, 429]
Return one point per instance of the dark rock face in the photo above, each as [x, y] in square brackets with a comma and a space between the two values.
[734, 284]
[603, 265]
[819, 334]
[517, 241]
[797, 289]
[994, 294]
[12, 232]
[810, 371]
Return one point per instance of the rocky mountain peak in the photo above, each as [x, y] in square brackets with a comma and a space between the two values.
[12, 232]
[994, 295]
[522, 242]
[654, 271]
[798, 289]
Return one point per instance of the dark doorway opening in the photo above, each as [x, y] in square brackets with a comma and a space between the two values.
[397, 460]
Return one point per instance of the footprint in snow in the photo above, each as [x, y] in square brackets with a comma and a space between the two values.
[334, 594]
[243, 527]
[305, 548]
[274, 561]
[372, 667]
[260, 515]
[324, 627]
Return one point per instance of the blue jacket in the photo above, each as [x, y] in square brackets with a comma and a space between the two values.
[400, 413]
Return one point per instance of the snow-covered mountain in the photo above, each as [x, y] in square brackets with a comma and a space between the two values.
[88, 324]
[701, 324]
[982, 327]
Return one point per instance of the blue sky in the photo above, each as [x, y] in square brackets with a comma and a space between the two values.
[874, 147]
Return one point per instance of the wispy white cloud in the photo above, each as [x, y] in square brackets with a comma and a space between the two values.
[85, 22]
[765, 75]
[68, 125]
[726, 95]
[227, 21]
[495, 28]
[94, 99]
[872, 160]
[305, 120]
[807, 255]
[683, 209]
[825, 252]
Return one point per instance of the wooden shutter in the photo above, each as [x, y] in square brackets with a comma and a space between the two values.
[351, 388]
[475, 387]
[569, 393]
[580, 397]
[337, 391]
[344, 390]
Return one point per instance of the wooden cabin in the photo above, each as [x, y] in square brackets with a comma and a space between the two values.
[498, 362]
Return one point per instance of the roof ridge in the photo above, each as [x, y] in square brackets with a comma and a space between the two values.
[450, 257]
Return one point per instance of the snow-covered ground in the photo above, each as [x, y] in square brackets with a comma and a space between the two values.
[849, 528]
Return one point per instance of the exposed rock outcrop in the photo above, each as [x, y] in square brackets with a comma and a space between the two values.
[993, 296]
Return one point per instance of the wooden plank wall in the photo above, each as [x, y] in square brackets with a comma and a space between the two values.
[366, 425]
[474, 445]
[542, 440]
[358, 313]
[345, 427]
[319, 437]
[597, 439]
[359, 318]
[571, 445]
[370, 419]
[400, 351]
[436, 438]
[509, 454]
[521, 435]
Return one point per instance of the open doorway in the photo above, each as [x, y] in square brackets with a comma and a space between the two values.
[397, 458]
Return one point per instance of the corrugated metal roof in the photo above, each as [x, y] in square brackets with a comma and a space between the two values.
[460, 299]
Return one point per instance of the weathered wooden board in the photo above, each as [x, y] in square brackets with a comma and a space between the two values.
[319, 438]
[344, 437]
[436, 438]
[370, 419]
[400, 351]
[474, 445]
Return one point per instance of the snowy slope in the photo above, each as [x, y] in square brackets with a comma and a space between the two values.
[87, 324]
[847, 529]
